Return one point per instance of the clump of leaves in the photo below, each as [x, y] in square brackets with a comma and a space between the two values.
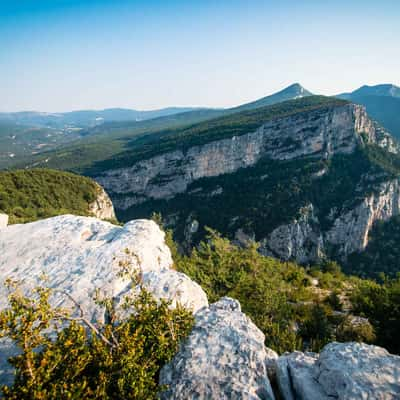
[380, 303]
[66, 356]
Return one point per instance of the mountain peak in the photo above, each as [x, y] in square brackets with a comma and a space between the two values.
[294, 91]
[297, 89]
[386, 89]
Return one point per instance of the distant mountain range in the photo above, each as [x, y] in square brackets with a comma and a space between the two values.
[87, 118]
[87, 136]
[92, 118]
[382, 103]
[387, 90]
[96, 135]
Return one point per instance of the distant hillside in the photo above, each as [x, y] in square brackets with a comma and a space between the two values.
[86, 118]
[382, 103]
[219, 128]
[28, 195]
[18, 142]
[113, 139]
[386, 90]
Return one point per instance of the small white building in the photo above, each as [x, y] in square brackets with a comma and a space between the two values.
[3, 220]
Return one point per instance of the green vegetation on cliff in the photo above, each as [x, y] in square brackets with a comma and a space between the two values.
[28, 195]
[224, 127]
[123, 144]
[260, 198]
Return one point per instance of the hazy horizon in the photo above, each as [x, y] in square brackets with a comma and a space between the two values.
[60, 56]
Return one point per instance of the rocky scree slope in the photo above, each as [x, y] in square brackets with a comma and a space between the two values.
[327, 168]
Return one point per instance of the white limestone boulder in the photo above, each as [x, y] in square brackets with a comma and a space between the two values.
[342, 371]
[78, 255]
[223, 358]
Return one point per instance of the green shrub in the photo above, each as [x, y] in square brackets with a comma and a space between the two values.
[351, 330]
[271, 292]
[380, 303]
[120, 359]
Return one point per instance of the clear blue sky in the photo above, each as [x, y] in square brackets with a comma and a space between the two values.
[59, 55]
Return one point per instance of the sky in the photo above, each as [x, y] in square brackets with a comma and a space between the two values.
[59, 55]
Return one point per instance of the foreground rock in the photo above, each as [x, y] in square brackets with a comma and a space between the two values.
[78, 255]
[342, 371]
[223, 358]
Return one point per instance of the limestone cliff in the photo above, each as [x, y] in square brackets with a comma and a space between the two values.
[322, 132]
[102, 207]
[304, 241]
[320, 135]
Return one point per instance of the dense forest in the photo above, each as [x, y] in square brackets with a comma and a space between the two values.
[28, 195]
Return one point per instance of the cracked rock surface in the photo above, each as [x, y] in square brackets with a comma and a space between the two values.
[223, 358]
[343, 371]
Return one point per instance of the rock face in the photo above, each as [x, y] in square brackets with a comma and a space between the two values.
[3, 220]
[342, 371]
[350, 230]
[223, 358]
[300, 240]
[320, 134]
[102, 207]
[79, 254]
[324, 132]
[303, 241]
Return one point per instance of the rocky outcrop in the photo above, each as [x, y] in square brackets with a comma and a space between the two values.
[342, 371]
[322, 132]
[102, 207]
[300, 240]
[304, 241]
[350, 230]
[3, 220]
[223, 358]
[81, 254]
[385, 140]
